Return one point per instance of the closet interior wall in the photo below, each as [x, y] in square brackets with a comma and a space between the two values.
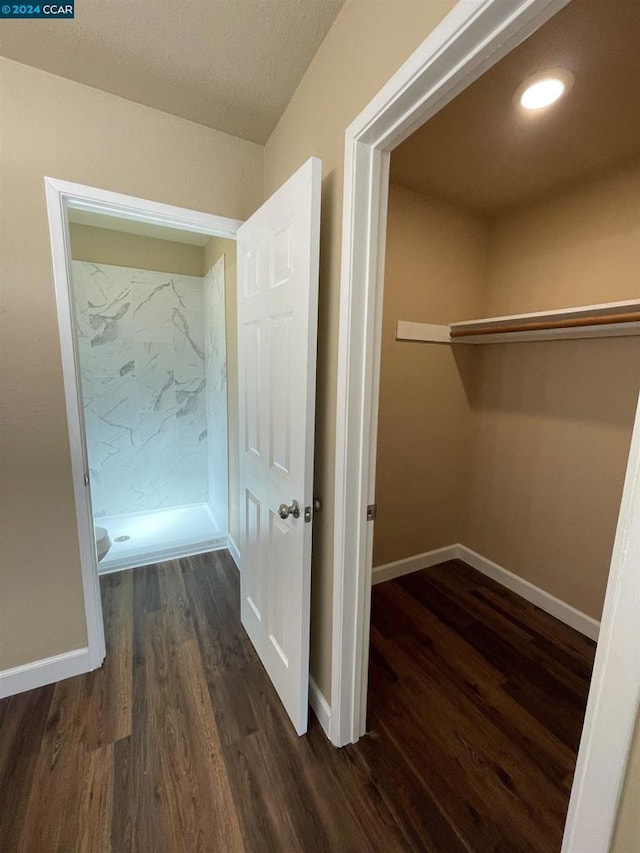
[435, 262]
[517, 451]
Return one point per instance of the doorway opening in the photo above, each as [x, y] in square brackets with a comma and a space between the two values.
[136, 352]
[453, 58]
[152, 325]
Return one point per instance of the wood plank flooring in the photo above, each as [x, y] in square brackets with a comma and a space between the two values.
[179, 743]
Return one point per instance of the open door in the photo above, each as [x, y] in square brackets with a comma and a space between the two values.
[277, 331]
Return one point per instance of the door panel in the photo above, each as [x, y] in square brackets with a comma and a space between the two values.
[279, 542]
[280, 398]
[277, 331]
[252, 387]
[253, 570]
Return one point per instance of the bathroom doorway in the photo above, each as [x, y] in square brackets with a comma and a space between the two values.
[148, 323]
[151, 338]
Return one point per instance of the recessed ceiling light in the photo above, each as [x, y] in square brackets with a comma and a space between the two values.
[544, 89]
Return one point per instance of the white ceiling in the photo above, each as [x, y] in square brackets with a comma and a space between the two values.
[227, 64]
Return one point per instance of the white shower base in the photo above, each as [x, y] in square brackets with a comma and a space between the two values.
[163, 534]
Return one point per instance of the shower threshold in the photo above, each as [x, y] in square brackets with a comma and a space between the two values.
[142, 538]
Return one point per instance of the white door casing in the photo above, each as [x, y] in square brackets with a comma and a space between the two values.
[278, 250]
[61, 195]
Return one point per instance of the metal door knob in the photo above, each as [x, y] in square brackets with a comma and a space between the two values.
[285, 511]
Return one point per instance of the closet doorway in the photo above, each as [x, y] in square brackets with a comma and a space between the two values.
[517, 428]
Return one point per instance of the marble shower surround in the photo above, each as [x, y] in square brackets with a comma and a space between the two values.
[142, 364]
[215, 352]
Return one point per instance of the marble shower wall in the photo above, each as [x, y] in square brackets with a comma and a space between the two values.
[215, 353]
[141, 348]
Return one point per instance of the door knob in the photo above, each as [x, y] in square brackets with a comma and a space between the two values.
[285, 511]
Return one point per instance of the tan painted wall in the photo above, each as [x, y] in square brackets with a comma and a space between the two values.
[554, 420]
[578, 247]
[627, 835]
[51, 126]
[552, 433]
[215, 248]
[435, 264]
[366, 44]
[105, 246]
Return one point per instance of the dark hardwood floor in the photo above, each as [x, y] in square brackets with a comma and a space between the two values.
[478, 698]
[179, 743]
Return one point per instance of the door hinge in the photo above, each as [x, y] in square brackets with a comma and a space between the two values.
[86, 479]
[372, 511]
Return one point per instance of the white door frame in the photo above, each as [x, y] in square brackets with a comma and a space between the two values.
[473, 37]
[60, 196]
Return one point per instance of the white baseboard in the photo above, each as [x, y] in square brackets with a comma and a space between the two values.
[234, 550]
[320, 706]
[45, 671]
[413, 564]
[544, 600]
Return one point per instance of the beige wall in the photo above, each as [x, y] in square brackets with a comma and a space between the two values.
[554, 420]
[215, 248]
[367, 43]
[627, 835]
[551, 438]
[105, 246]
[435, 264]
[577, 247]
[51, 126]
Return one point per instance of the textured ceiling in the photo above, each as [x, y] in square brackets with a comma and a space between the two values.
[228, 64]
[484, 153]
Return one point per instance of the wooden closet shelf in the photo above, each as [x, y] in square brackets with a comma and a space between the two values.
[614, 319]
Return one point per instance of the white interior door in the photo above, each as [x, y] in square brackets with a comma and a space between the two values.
[277, 330]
